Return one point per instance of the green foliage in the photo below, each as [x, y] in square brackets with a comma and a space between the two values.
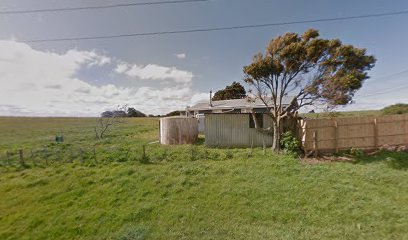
[339, 69]
[310, 69]
[397, 163]
[392, 159]
[326, 115]
[229, 155]
[233, 91]
[399, 108]
[355, 152]
[290, 143]
[176, 113]
[132, 112]
[120, 154]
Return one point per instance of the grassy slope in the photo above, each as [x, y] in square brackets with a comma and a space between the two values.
[262, 197]
[343, 114]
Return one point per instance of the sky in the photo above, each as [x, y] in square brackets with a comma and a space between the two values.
[162, 73]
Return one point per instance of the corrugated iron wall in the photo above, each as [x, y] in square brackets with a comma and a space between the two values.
[233, 130]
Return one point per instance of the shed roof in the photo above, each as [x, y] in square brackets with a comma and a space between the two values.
[235, 104]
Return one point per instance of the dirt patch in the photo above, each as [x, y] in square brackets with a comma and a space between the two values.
[326, 159]
[350, 157]
[394, 148]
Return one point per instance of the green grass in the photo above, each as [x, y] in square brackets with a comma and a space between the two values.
[399, 108]
[343, 114]
[178, 196]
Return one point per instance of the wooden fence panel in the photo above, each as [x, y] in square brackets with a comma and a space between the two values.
[332, 135]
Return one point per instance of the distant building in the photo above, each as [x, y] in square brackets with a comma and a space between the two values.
[230, 122]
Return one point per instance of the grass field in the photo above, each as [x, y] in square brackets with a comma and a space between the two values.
[344, 114]
[186, 194]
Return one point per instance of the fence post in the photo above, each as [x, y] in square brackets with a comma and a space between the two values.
[33, 157]
[94, 154]
[406, 129]
[71, 156]
[264, 145]
[315, 148]
[144, 152]
[8, 158]
[20, 153]
[81, 154]
[336, 136]
[45, 155]
[375, 133]
[252, 147]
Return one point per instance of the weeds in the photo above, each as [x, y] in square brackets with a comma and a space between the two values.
[289, 143]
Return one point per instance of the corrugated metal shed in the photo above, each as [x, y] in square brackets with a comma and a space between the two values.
[233, 130]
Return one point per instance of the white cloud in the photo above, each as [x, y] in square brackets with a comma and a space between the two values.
[200, 97]
[122, 67]
[181, 55]
[35, 82]
[154, 72]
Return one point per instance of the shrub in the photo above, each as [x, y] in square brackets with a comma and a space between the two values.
[290, 143]
[228, 155]
[399, 108]
[355, 152]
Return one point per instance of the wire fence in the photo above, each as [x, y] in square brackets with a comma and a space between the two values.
[65, 154]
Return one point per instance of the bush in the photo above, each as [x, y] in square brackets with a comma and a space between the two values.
[355, 152]
[228, 155]
[399, 108]
[290, 143]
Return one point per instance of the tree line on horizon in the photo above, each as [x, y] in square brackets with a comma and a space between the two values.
[133, 113]
[129, 112]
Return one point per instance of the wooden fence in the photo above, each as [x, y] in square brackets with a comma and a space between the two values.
[332, 135]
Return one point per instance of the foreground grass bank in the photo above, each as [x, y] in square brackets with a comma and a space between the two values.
[257, 198]
[231, 195]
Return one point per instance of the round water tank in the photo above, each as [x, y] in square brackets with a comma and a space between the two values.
[178, 130]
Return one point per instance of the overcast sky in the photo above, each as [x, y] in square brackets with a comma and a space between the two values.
[158, 74]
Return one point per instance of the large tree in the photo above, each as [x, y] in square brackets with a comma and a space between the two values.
[233, 91]
[132, 112]
[309, 69]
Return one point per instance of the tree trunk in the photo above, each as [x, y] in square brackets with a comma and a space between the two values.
[276, 135]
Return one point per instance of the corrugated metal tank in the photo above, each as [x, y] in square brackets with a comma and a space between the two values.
[178, 130]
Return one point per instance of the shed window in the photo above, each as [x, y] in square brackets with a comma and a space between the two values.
[259, 117]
